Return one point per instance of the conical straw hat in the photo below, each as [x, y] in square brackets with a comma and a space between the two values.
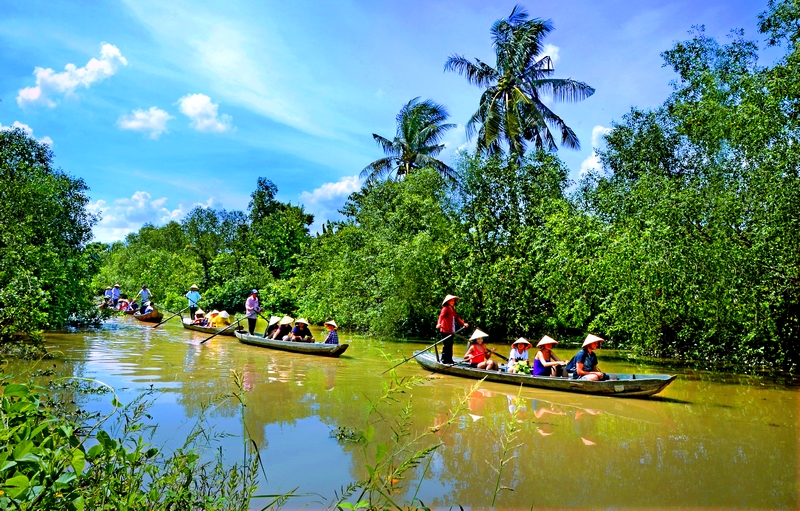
[303, 321]
[332, 323]
[273, 320]
[448, 298]
[478, 334]
[592, 338]
[546, 340]
[286, 320]
[521, 340]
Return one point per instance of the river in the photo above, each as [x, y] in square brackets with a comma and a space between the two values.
[708, 440]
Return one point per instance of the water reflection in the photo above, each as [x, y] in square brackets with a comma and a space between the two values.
[708, 440]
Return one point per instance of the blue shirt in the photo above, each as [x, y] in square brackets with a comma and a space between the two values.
[589, 361]
[145, 295]
[194, 298]
[115, 293]
[333, 338]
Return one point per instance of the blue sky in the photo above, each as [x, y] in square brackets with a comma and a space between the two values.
[163, 106]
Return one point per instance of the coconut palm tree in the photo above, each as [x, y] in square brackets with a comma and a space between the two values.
[420, 127]
[511, 110]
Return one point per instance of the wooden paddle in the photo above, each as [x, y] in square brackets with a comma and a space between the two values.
[176, 314]
[423, 351]
[226, 328]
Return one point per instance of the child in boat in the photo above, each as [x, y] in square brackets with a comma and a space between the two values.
[300, 332]
[477, 355]
[518, 357]
[585, 362]
[333, 337]
[546, 363]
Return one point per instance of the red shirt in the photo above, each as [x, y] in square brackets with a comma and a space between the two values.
[448, 319]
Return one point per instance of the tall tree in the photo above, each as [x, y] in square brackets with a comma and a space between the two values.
[511, 110]
[420, 128]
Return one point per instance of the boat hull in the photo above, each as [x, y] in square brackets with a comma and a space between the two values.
[150, 317]
[628, 385]
[308, 348]
[207, 329]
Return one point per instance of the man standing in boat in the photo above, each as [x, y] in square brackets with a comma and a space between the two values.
[448, 321]
[194, 297]
[252, 307]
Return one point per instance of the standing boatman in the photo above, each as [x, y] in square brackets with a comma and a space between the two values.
[194, 297]
[145, 294]
[115, 295]
[252, 307]
[448, 320]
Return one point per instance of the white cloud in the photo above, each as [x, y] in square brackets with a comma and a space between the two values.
[28, 130]
[551, 50]
[128, 214]
[49, 83]
[153, 120]
[203, 113]
[324, 202]
[592, 163]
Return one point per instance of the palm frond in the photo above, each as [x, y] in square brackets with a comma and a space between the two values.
[478, 74]
[564, 90]
[377, 169]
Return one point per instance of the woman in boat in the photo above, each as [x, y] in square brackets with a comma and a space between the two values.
[477, 355]
[333, 337]
[301, 333]
[148, 307]
[585, 361]
[284, 330]
[546, 363]
[518, 357]
[107, 300]
[448, 321]
[211, 316]
[271, 326]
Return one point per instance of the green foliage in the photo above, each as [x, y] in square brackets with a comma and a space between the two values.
[386, 267]
[48, 461]
[44, 274]
[504, 205]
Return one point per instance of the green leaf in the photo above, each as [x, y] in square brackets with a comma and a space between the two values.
[22, 449]
[16, 390]
[78, 461]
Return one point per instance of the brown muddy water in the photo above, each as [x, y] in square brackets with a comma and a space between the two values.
[707, 441]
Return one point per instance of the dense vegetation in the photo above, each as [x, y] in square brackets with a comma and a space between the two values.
[686, 243]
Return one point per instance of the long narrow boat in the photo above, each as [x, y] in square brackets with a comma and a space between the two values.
[628, 385]
[309, 348]
[187, 324]
[150, 317]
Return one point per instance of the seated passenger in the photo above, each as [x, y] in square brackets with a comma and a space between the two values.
[222, 320]
[134, 306]
[584, 363]
[213, 315]
[148, 307]
[518, 357]
[546, 363]
[477, 355]
[271, 326]
[199, 318]
[284, 330]
[333, 337]
[300, 332]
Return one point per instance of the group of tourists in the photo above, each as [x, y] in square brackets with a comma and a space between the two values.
[545, 363]
[113, 298]
[281, 328]
[215, 318]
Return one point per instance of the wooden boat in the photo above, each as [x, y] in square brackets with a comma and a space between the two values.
[309, 348]
[628, 385]
[187, 324]
[150, 317]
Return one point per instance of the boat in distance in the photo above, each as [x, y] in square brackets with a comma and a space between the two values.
[187, 324]
[308, 348]
[628, 385]
[150, 317]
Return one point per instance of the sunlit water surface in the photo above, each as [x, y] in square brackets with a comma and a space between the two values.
[710, 441]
